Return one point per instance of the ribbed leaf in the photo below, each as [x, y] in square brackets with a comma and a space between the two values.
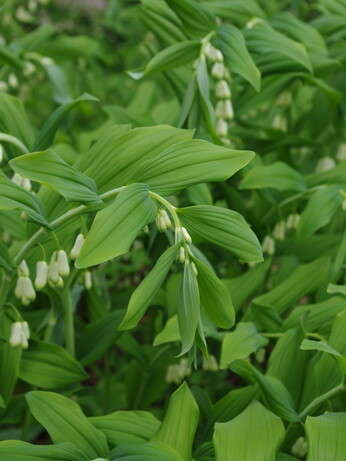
[222, 227]
[256, 434]
[116, 227]
[65, 422]
[48, 168]
[48, 366]
[15, 450]
[326, 437]
[180, 422]
[148, 288]
[174, 56]
[153, 451]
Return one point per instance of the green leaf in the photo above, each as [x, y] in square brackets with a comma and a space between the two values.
[127, 427]
[196, 19]
[16, 450]
[339, 289]
[261, 38]
[64, 420]
[98, 336]
[180, 422]
[119, 152]
[240, 343]
[48, 168]
[14, 120]
[231, 42]
[200, 194]
[115, 228]
[170, 332]
[308, 345]
[188, 308]
[187, 163]
[237, 11]
[15, 197]
[275, 394]
[222, 227]
[145, 292]
[174, 56]
[48, 365]
[326, 437]
[319, 211]
[255, 434]
[51, 125]
[153, 451]
[277, 176]
[215, 297]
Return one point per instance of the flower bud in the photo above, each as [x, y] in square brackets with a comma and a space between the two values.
[341, 153]
[166, 219]
[28, 290]
[25, 301]
[64, 267]
[1, 153]
[53, 270]
[186, 235]
[41, 275]
[300, 447]
[181, 255]
[222, 90]
[19, 290]
[279, 230]
[24, 268]
[88, 280]
[17, 179]
[292, 221]
[16, 334]
[228, 108]
[268, 245]
[325, 164]
[221, 127]
[160, 223]
[194, 268]
[343, 205]
[77, 246]
[13, 80]
[218, 70]
[210, 364]
[26, 184]
[218, 55]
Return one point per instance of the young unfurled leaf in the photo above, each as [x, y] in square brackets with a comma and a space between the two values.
[187, 163]
[48, 168]
[180, 422]
[188, 308]
[222, 227]
[231, 42]
[65, 422]
[254, 434]
[174, 56]
[15, 197]
[277, 176]
[49, 366]
[148, 288]
[215, 297]
[116, 227]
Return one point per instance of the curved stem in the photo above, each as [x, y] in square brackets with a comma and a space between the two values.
[4, 137]
[322, 398]
[68, 321]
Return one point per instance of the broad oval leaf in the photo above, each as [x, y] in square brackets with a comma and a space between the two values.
[48, 168]
[240, 343]
[174, 56]
[148, 288]
[64, 420]
[277, 176]
[223, 227]
[116, 227]
[326, 437]
[16, 450]
[48, 366]
[180, 422]
[127, 427]
[254, 434]
[215, 297]
[190, 162]
[231, 42]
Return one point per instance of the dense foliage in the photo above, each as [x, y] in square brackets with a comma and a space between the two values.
[172, 230]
